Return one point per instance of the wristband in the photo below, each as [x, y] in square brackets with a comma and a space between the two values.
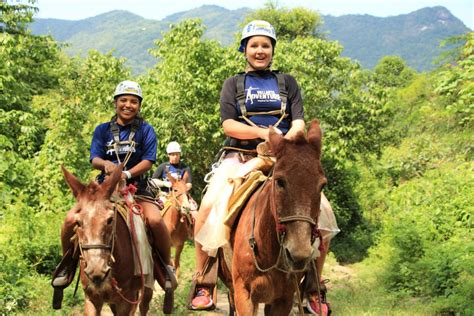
[128, 174]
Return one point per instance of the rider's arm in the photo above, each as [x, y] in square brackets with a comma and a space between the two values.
[187, 176]
[141, 168]
[296, 126]
[105, 165]
[240, 130]
[296, 110]
[108, 166]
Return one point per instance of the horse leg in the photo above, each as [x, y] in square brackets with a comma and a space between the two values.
[242, 301]
[125, 309]
[279, 307]
[230, 299]
[177, 256]
[92, 309]
[145, 303]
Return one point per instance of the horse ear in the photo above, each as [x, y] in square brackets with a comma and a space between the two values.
[170, 178]
[111, 181]
[276, 141]
[76, 186]
[314, 136]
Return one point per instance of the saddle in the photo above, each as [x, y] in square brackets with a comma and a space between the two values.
[242, 194]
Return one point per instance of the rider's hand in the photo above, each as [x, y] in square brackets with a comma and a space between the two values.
[109, 167]
[265, 133]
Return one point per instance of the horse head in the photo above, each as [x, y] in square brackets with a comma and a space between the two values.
[298, 178]
[179, 193]
[95, 220]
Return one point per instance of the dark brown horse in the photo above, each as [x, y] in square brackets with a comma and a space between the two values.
[107, 269]
[177, 217]
[272, 243]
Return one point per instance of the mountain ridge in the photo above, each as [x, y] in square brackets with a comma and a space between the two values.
[414, 36]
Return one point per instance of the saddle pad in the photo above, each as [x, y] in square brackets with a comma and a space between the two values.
[242, 193]
[144, 248]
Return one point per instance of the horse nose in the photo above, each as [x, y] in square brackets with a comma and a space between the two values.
[299, 256]
[97, 275]
[97, 279]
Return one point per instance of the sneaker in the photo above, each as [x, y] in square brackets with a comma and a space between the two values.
[61, 279]
[313, 305]
[202, 300]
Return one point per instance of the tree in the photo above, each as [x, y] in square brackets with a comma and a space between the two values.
[393, 72]
[288, 23]
[456, 83]
[182, 93]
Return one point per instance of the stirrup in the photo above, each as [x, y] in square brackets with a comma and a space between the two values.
[171, 281]
[61, 279]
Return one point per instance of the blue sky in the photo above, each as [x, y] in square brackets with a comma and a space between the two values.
[158, 9]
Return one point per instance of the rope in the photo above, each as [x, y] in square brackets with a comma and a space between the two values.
[318, 287]
[298, 294]
[127, 156]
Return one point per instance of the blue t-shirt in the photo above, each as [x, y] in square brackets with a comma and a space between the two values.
[145, 144]
[262, 95]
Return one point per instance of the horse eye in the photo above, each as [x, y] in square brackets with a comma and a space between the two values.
[281, 183]
[110, 220]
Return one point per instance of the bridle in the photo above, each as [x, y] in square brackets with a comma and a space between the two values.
[280, 229]
[109, 246]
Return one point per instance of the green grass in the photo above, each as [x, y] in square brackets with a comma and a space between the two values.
[355, 290]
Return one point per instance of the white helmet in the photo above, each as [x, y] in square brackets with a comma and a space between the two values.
[128, 87]
[257, 27]
[173, 147]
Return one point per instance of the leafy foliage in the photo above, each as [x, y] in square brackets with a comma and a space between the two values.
[182, 94]
[456, 83]
[420, 196]
[289, 24]
[397, 147]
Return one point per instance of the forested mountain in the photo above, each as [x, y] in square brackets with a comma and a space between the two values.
[415, 37]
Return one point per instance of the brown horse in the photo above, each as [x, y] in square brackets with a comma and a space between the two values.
[107, 269]
[177, 217]
[272, 243]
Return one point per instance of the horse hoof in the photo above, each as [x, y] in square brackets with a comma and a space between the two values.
[168, 302]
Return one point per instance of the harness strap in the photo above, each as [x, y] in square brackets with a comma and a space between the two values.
[115, 130]
[240, 96]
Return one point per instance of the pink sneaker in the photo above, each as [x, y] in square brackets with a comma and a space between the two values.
[202, 300]
[313, 305]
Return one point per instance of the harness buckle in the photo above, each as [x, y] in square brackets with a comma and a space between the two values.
[252, 243]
